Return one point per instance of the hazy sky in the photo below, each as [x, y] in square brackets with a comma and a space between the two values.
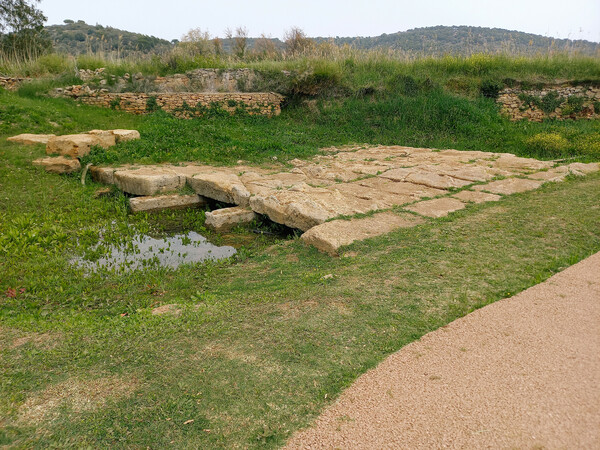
[575, 19]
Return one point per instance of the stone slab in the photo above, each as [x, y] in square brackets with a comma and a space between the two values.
[583, 169]
[31, 139]
[148, 181]
[59, 164]
[509, 186]
[226, 218]
[438, 207]
[73, 145]
[330, 236]
[556, 174]
[158, 203]
[125, 135]
[476, 197]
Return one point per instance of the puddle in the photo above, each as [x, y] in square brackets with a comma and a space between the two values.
[146, 251]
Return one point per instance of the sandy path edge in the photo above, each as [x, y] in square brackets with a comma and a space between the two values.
[520, 373]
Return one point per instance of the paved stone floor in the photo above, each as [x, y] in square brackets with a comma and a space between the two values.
[349, 182]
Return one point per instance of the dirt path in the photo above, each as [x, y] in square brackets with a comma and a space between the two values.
[521, 373]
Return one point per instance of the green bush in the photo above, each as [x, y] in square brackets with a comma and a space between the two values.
[490, 89]
[548, 144]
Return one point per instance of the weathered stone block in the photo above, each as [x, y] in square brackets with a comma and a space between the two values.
[148, 180]
[330, 236]
[59, 164]
[73, 145]
[174, 201]
[227, 218]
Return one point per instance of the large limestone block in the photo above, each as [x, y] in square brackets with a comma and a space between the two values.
[227, 218]
[73, 145]
[221, 186]
[106, 139]
[330, 236]
[509, 186]
[174, 201]
[148, 180]
[125, 135]
[104, 175]
[31, 139]
[59, 164]
[438, 207]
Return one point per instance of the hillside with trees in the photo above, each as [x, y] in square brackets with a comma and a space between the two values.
[77, 37]
[466, 40]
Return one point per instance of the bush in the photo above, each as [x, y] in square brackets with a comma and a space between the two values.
[548, 144]
[490, 89]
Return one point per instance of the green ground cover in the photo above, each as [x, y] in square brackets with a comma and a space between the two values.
[264, 341]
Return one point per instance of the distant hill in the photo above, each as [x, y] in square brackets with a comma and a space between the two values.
[465, 40]
[78, 37]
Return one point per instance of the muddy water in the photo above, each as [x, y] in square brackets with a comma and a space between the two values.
[146, 251]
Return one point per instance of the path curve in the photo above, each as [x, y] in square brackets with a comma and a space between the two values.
[523, 372]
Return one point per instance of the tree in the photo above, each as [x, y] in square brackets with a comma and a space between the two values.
[296, 41]
[22, 33]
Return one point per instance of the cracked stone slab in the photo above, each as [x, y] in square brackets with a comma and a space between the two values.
[438, 207]
[583, 169]
[330, 236]
[158, 203]
[509, 186]
[222, 186]
[555, 174]
[31, 139]
[476, 197]
[226, 218]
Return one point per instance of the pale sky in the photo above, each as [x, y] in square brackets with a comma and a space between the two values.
[574, 19]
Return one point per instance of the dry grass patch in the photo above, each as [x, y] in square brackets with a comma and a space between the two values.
[77, 395]
[12, 338]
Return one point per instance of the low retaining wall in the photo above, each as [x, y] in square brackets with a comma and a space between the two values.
[11, 83]
[183, 104]
[555, 102]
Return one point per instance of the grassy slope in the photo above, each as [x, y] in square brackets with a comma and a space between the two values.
[264, 342]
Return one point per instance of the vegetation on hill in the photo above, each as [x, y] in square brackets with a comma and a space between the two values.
[467, 40]
[77, 37]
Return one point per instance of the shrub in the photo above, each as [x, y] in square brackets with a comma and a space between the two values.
[152, 105]
[490, 89]
[548, 144]
[576, 103]
[550, 102]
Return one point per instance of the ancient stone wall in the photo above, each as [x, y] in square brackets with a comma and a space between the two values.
[183, 104]
[556, 101]
[11, 83]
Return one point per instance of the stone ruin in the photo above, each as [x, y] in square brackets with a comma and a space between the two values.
[325, 197]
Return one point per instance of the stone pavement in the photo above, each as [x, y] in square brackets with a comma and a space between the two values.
[350, 182]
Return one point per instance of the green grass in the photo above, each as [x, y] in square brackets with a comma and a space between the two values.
[435, 119]
[264, 341]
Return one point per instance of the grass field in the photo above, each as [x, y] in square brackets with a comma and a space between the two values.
[266, 340]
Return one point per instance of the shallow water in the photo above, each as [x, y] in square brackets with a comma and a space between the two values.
[170, 251]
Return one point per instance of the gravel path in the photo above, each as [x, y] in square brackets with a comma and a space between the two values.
[523, 372]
